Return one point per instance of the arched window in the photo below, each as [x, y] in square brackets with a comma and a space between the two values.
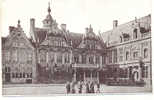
[145, 53]
[127, 55]
[135, 33]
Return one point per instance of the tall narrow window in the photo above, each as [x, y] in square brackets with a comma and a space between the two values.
[15, 55]
[135, 34]
[7, 56]
[135, 55]
[59, 57]
[97, 60]
[145, 53]
[29, 58]
[127, 55]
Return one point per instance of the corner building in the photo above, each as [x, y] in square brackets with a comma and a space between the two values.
[129, 50]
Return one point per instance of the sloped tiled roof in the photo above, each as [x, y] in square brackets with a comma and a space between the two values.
[76, 38]
[41, 34]
[112, 36]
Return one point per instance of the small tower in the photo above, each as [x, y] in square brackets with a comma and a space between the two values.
[47, 22]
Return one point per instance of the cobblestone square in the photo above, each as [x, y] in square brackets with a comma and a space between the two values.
[52, 89]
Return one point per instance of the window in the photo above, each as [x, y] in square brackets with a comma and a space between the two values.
[145, 72]
[16, 75]
[7, 56]
[20, 75]
[103, 59]
[135, 33]
[123, 72]
[51, 57]
[91, 60]
[42, 56]
[110, 56]
[59, 58]
[67, 58]
[7, 69]
[13, 75]
[97, 60]
[135, 55]
[15, 56]
[27, 74]
[127, 55]
[30, 75]
[115, 56]
[121, 58]
[23, 75]
[29, 59]
[83, 59]
[76, 58]
[145, 53]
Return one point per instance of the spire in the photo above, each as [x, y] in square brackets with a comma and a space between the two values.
[49, 10]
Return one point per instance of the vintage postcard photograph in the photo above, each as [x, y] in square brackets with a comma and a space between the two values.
[76, 47]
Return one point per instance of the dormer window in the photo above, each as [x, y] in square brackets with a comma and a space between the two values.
[135, 33]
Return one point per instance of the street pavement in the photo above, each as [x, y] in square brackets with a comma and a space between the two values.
[52, 89]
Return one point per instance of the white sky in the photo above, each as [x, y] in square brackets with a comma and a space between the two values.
[77, 14]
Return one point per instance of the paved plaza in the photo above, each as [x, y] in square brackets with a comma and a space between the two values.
[51, 89]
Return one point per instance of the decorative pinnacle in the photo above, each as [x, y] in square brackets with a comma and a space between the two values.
[49, 10]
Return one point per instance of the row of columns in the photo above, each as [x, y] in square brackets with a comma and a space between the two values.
[70, 58]
[84, 76]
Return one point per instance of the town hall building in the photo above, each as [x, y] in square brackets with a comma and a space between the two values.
[56, 55]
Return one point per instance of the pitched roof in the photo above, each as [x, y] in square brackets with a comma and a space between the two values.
[113, 35]
[41, 34]
[75, 38]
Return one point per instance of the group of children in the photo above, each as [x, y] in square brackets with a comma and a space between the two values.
[82, 87]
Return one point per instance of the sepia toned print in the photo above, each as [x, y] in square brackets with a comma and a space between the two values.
[56, 61]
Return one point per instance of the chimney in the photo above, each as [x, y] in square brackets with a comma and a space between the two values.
[115, 23]
[63, 27]
[32, 23]
[32, 29]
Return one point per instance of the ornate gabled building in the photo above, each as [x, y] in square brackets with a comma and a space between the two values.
[55, 55]
[18, 57]
[129, 49]
[61, 50]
